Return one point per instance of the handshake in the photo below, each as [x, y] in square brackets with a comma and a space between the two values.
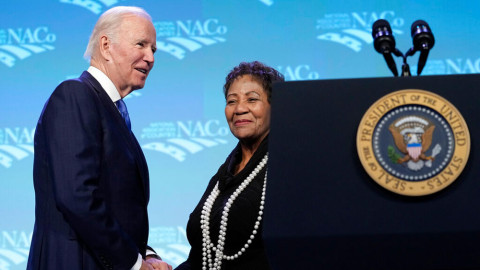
[153, 261]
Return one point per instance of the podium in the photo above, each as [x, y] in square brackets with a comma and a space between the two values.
[323, 211]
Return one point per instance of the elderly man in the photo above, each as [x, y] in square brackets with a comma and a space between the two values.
[90, 174]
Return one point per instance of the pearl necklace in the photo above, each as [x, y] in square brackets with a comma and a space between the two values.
[207, 246]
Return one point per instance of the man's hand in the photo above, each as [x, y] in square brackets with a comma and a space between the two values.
[158, 264]
[146, 266]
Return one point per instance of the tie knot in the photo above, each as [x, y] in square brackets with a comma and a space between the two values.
[124, 112]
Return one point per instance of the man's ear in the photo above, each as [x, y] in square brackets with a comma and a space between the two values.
[105, 47]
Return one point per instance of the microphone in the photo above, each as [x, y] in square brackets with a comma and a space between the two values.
[384, 43]
[423, 41]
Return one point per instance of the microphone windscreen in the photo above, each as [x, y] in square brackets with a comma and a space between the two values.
[422, 35]
[380, 26]
[419, 26]
[383, 40]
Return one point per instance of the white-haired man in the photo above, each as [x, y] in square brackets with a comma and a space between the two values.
[90, 175]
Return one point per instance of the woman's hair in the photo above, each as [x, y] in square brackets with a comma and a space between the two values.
[109, 23]
[265, 74]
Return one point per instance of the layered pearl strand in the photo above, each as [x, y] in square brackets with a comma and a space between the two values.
[207, 245]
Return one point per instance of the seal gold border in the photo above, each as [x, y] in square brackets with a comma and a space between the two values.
[428, 99]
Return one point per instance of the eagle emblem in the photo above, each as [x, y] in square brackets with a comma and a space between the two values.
[413, 137]
[407, 145]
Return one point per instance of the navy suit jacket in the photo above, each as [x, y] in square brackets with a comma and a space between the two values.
[91, 183]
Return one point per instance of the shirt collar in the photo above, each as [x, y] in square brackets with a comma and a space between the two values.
[105, 82]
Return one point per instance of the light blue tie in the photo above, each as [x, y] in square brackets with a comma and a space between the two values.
[124, 112]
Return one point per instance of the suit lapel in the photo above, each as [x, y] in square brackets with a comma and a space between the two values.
[128, 136]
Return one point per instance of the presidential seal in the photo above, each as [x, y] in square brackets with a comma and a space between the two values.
[413, 142]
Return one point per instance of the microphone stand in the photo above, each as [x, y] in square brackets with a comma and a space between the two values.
[405, 66]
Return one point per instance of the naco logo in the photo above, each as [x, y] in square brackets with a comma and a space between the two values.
[179, 37]
[14, 249]
[298, 73]
[181, 138]
[15, 144]
[353, 30]
[450, 66]
[94, 6]
[21, 43]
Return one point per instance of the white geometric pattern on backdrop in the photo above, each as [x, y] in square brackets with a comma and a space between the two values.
[15, 144]
[11, 257]
[10, 53]
[9, 153]
[179, 148]
[92, 5]
[267, 2]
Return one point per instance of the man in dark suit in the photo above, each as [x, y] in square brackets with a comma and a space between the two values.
[90, 174]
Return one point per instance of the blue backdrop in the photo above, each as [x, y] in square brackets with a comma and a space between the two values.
[178, 117]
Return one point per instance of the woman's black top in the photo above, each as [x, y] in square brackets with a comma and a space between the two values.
[241, 218]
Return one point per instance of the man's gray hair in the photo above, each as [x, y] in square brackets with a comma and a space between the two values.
[108, 25]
